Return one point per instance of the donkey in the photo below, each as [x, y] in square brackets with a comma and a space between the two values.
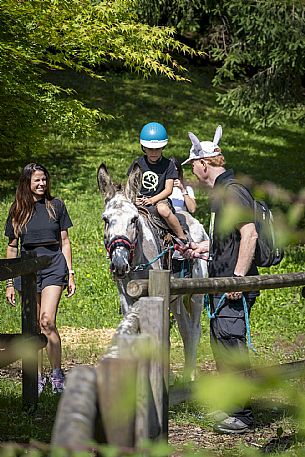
[131, 241]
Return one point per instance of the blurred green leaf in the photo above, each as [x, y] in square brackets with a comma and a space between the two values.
[224, 392]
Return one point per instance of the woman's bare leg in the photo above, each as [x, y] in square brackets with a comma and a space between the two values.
[50, 297]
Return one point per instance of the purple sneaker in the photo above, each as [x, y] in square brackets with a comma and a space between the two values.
[42, 380]
[57, 381]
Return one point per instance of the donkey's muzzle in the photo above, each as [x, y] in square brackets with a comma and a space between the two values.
[119, 265]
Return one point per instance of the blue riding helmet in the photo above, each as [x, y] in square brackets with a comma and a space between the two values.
[153, 135]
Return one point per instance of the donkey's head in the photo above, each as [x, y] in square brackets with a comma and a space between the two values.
[121, 219]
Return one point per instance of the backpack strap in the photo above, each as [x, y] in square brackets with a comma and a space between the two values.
[220, 304]
[212, 214]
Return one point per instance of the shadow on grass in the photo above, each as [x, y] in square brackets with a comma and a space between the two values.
[20, 426]
[267, 412]
[271, 154]
[282, 443]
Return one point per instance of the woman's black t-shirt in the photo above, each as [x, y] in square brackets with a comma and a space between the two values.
[41, 228]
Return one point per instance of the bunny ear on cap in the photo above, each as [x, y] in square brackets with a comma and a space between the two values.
[196, 150]
[218, 135]
[204, 149]
[196, 146]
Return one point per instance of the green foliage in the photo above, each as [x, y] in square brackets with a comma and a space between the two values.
[263, 50]
[258, 46]
[37, 36]
[182, 14]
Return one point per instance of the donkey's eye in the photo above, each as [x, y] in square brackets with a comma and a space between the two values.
[134, 220]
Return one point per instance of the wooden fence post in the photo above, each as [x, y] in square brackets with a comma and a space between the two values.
[29, 328]
[77, 411]
[116, 383]
[159, 286]
[151, 323]
[138, 347]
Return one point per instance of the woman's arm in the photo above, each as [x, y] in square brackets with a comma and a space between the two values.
[189, 201]
[67, 252]
[11, 253]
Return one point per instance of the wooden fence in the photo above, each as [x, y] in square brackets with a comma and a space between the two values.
[26, 344]
[125, 399]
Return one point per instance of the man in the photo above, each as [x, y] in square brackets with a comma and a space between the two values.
[231, 253]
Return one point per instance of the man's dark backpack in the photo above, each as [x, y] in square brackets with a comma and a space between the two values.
[267, 252]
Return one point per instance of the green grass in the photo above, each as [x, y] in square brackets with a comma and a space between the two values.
[21, 426]
[272, 154]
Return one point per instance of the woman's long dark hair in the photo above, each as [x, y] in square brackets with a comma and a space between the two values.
[178, 167]
[23, 207]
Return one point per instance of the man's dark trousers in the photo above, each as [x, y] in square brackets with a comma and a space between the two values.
[228, 339]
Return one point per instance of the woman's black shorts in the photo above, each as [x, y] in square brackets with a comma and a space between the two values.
[55, 274]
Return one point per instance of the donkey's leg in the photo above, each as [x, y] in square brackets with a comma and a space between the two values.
[193, 318]
[189, 339]
[195, 329]
[125, 300]
[194, 310]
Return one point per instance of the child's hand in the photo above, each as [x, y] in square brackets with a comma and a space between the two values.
[178, 183]
[148, 201]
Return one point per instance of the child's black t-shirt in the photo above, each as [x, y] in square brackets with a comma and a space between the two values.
[154, 175]
[41, 228]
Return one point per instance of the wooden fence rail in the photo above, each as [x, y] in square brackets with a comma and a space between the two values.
[139, 288]
[25, 265]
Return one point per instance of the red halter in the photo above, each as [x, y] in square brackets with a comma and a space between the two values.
[120, 241]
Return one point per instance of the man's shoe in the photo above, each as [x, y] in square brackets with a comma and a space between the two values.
[232, 426]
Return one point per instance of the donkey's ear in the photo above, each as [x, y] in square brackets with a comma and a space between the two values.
[218, 135]
[195, 142]
[104, 182]
[134, 183]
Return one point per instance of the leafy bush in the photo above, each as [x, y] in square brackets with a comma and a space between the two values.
[37, 36]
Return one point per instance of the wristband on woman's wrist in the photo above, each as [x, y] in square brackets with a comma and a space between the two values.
[71, 272]
[9, 283]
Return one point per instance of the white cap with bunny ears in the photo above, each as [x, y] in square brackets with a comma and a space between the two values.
[204, 149]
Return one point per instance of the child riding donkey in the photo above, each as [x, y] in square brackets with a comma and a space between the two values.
[158, 175]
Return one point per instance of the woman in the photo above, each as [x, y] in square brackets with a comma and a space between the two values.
[39, 223]
[182, 197]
